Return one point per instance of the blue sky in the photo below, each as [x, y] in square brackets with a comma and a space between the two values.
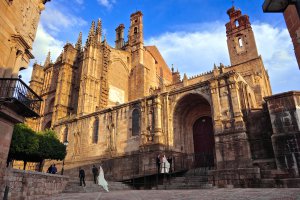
[189, 33]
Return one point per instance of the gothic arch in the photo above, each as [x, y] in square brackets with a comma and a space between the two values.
[95, 131]
[136, 122]
[65, 135]
[187, 110]
[122, 63]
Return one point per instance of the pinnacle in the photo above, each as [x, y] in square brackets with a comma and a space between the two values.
[99, 27]
[78, 44]
[48, 59]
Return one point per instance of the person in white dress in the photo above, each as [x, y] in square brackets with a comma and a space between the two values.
[165, 165]
[101, 180]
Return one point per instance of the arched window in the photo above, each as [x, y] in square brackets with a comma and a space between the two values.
[65, 135]
[236, 23]
[95, 131]
[135, 122]
[135, 30]
[240, 42]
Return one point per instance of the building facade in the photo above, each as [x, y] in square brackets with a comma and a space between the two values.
[122, 105]
[18, 21]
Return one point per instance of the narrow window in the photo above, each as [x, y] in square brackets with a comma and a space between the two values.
[236, 23]
[95, 130]
[240, 42]
[65, 135]
[135, 30]
[135, 122]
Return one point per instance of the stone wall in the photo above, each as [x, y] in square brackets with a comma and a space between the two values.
[284, 113]
[259, 132]
[33, 185]
[293, 24]
[19, 20]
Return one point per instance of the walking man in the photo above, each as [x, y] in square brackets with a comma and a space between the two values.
[81, 176]
[158, 163]
[95, 173]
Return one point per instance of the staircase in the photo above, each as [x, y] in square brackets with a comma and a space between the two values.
[192, 179]
[74, 187]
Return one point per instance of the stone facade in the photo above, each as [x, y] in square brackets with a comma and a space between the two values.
[122, 106]
[33, 185]
[18, 22]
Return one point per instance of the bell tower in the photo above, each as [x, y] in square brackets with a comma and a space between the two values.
[240, 38]
[136, 38]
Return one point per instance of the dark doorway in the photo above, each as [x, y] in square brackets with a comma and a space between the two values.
[204, 142]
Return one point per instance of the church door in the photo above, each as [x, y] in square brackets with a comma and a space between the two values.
[204, 142]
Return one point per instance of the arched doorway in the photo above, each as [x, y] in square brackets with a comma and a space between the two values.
[193, 130]
[204, 142]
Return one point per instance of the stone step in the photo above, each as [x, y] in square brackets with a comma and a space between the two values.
[74, 187]
[175, 187]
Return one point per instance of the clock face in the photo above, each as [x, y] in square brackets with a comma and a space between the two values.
[116, 94]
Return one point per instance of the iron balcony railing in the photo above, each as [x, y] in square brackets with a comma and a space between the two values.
[16, 95]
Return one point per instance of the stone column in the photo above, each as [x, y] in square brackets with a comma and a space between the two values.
[236, 105]
[158, 137]
[232, 145]
[215, 100]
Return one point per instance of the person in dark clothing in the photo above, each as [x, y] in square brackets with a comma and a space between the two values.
[82, 177]
[170, 159]
[95, 173]
[54, 169]
[49, 169]
[158, 163]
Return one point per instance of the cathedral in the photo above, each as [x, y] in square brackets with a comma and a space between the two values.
[122, 106]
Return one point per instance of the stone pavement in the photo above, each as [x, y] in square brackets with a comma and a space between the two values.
[204, 194]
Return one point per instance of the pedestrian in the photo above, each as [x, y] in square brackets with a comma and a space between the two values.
[170, 159]
[81, 176]
[49, 170]
[165, 165]
[101, 180]
[54, 169]
[95, 173]
[158, 163]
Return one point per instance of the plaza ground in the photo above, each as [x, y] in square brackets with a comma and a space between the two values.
[215, 194]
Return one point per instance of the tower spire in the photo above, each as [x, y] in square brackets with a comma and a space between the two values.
[99, 30]
[78, 44]
[48, 59]
[91, 35]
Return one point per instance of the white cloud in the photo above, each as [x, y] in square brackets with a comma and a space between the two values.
[55, 20]
[41, 46]
[107, 3]
[195, 51]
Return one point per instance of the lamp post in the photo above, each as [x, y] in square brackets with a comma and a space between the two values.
[63, 164]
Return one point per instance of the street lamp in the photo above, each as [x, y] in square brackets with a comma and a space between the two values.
[280, 5]
[63, 164]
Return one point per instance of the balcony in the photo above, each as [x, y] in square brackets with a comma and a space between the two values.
[17, 96]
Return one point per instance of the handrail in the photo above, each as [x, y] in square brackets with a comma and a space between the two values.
[14, 89]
